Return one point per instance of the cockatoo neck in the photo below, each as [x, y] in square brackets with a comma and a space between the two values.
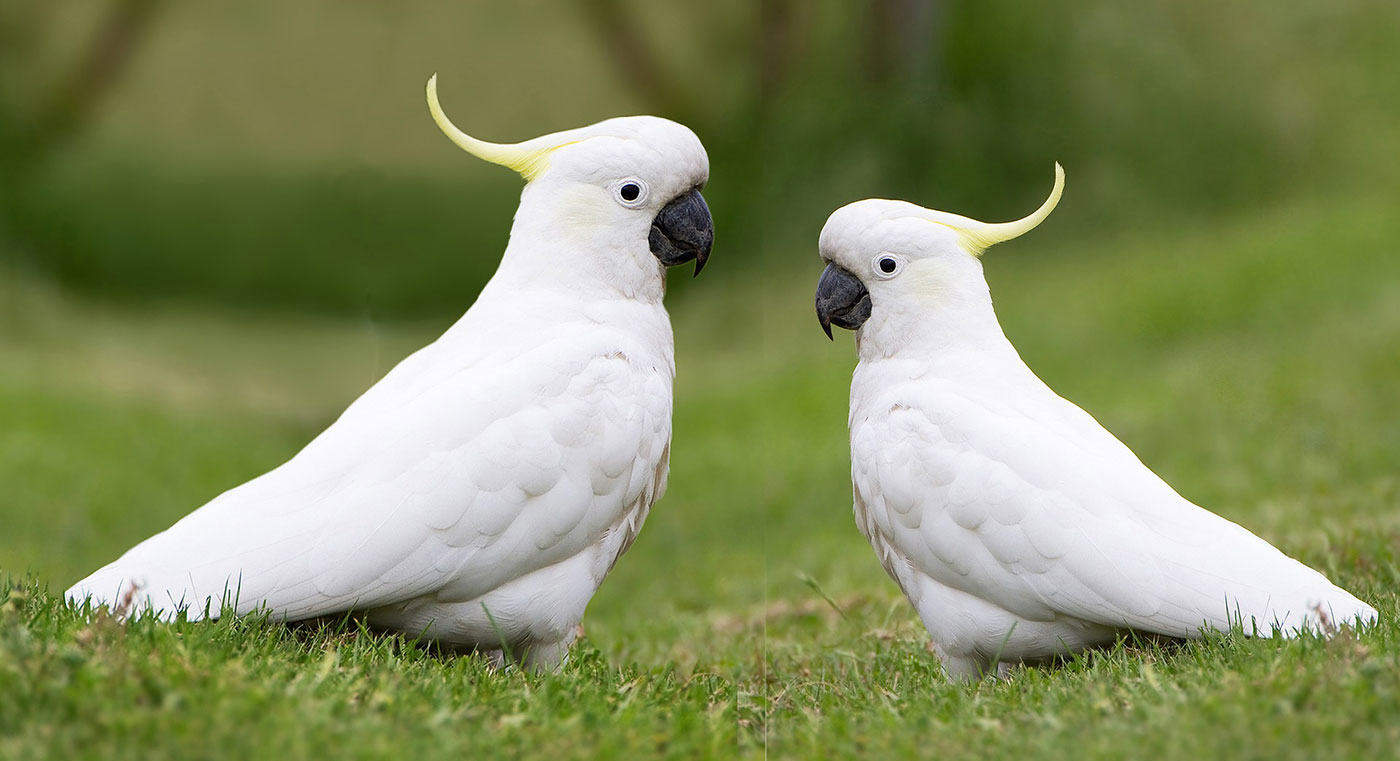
[932, 312]
[573, 238]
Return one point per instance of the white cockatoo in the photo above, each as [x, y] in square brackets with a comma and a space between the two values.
[479, 493]
[1019, 528]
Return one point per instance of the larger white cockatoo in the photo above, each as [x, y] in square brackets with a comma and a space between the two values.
[479, 493]
[1018, 527]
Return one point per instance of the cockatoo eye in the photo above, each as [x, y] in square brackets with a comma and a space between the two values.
[886, 266]
[630, 192]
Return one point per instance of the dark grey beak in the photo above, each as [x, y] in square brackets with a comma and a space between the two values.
[841, 300]
[683, 231]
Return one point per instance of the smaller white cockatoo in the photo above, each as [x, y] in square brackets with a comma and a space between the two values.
[479, 493]
[1019, 528]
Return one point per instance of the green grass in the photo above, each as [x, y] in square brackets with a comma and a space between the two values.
[1253, 364]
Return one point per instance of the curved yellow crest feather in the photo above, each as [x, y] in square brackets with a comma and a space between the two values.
[977, 236]
[529, 158]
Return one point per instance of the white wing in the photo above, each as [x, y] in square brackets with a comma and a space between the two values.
[447, 477]
[1044, 513]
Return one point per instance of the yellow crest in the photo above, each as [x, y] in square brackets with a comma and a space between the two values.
[529, 158]
[977, 236]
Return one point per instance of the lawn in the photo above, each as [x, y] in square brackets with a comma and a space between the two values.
[1253, 362]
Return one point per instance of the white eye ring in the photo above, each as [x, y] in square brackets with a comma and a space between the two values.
[886, 266]
[630, 186]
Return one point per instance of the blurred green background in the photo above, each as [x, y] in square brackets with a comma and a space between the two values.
[268, 154]
[219, 223]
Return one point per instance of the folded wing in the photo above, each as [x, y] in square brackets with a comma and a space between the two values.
[445, 482]
[1058, 518]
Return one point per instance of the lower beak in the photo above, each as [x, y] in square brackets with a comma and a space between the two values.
[842, 300]
[683, 231]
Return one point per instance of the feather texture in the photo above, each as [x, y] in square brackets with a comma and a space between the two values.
[480, 492]
[1018, 526]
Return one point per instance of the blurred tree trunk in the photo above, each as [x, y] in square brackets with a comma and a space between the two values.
[900, 48]
[641, 64]
[41, 113]
[903, 39]
[40, 119]
[636, 59]
[777, 46]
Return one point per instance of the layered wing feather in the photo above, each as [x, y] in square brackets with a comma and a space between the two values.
[1037, 509]
[449, 477]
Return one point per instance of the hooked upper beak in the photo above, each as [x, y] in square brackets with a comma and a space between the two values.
[842, 300]
[682, 231]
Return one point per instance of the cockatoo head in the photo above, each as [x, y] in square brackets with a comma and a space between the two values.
[891, 256]
[626, 188]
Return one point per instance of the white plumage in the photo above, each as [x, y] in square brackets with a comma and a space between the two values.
[1018, 527]
[479, 493]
